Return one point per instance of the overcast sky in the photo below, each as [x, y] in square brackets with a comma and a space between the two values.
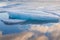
[30, 0]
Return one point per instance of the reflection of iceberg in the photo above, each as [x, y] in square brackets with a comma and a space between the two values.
[39, 33]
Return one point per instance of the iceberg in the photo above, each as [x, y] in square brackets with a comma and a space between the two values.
[30, 18]
[4, 15]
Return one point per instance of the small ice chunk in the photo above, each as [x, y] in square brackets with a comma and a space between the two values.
[3, 4]
[4, 15]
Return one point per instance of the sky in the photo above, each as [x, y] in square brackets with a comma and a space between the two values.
[30, 0]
